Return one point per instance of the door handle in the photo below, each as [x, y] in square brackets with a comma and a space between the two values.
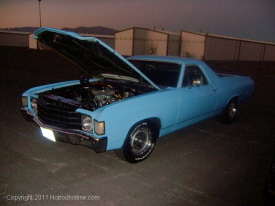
[214, 90]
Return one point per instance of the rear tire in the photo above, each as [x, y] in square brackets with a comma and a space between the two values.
[140, 143]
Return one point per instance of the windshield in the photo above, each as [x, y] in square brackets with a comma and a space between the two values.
[163, 74]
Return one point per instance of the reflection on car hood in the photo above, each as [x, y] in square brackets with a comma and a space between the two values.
[89, 53]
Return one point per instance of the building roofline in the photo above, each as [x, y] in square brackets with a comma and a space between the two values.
[158, 31]
[97, 35]
[14, 32]
[227, 37]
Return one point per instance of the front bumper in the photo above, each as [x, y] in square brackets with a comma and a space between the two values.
[70, 136]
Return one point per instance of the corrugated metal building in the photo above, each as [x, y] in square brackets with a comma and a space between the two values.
[23, 39]
[142, 41]
[214, 47]
[107, 39]
[14, 38]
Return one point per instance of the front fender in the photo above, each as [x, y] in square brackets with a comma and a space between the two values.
[121, 116]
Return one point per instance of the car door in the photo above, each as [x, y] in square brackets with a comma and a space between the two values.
[197, 96]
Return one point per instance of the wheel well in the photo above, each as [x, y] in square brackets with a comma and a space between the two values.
[234, 98]
[154, 122]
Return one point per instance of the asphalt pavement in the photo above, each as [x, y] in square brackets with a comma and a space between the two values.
[208, 163]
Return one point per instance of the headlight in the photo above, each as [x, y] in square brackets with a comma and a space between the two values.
[99, 127]
[87, 124]
[34, 104]
[24, 101]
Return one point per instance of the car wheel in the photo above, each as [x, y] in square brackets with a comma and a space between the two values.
[140, 143]
[230, 112]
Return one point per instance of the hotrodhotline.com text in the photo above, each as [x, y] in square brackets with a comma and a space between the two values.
[29, 197]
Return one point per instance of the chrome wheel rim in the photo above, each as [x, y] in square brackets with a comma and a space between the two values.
[232, 110]
[140, 140]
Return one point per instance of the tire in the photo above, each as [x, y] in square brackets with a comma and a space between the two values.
[140, 143]
[230, 112]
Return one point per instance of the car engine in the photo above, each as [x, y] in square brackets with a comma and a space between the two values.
[88, 96]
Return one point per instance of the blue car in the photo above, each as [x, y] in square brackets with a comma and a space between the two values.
[128, 103]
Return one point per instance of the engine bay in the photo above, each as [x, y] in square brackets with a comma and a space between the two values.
[93, 95]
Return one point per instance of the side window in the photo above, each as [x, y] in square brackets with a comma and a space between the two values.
[193, 76]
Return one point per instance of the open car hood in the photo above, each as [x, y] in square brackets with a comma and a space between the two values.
[89, 53]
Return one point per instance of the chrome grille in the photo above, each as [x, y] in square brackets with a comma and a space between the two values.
[56, 113]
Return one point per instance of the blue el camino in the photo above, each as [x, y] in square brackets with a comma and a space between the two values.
[128, 103]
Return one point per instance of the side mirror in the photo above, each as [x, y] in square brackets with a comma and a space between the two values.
[197, 80]
[196, 83]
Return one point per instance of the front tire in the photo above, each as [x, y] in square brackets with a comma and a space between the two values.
[140, 143]
[230, 112]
